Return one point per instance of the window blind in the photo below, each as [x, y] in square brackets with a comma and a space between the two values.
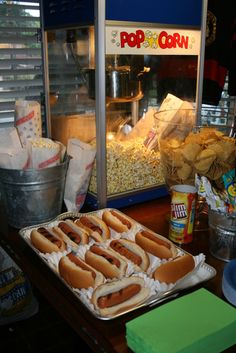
[20, 55]
[223, 114]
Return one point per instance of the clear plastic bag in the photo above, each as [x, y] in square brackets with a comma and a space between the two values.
[17, 301]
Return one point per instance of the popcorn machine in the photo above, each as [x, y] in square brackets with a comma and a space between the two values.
[108, 66]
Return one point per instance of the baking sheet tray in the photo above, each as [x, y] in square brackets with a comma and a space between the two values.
[202, 272]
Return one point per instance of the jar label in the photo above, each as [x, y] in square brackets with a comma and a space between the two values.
[182, 216]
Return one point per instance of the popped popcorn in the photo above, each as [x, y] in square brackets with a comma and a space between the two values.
[130, 165]
[43, 143]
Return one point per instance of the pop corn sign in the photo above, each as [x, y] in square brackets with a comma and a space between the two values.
[161, 41]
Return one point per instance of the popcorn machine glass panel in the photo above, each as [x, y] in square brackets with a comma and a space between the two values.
[133, 159]
[72, 109]
[108, 97]
[136, 85]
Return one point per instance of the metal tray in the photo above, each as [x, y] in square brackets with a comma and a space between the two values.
[202, 273]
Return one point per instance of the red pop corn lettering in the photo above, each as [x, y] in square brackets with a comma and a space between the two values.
[132, 39]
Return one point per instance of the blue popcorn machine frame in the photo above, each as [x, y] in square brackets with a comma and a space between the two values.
[109, 61]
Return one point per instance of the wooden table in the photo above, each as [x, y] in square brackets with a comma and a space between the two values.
[102, 335]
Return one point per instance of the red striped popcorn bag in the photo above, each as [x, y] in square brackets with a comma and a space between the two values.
[28, 120]
[44, 153]
[79, 173]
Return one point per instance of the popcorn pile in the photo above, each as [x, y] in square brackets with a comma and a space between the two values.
[130, 165]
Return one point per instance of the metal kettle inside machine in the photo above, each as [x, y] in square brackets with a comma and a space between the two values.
[124, 75]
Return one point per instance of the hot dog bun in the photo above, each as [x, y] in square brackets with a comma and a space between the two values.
[131, 251]
[172, 271]
[46, 241]
[96, 228]
[120, 295]
[77, 273]
[117, 221]
[155, 244]
[106, 261]
[71, 233]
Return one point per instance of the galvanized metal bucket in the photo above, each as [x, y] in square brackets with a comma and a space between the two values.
[32, 196]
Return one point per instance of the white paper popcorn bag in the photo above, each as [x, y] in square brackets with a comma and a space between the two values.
[12, 155]
[28, 120]
[44, 153]
[10, 140]
[78, 174]
[18, 160]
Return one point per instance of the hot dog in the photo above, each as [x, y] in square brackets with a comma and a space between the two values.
[77, 273]
[46, 241]
[117, 221]
[71, 233]
[131, 251]
[155, 244]
[172, 271]
[96, 228]
[120, 295]
[106, 261]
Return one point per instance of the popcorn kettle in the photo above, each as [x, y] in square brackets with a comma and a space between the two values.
[124, 77]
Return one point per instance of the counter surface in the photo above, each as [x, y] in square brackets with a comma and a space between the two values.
[103, 336]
